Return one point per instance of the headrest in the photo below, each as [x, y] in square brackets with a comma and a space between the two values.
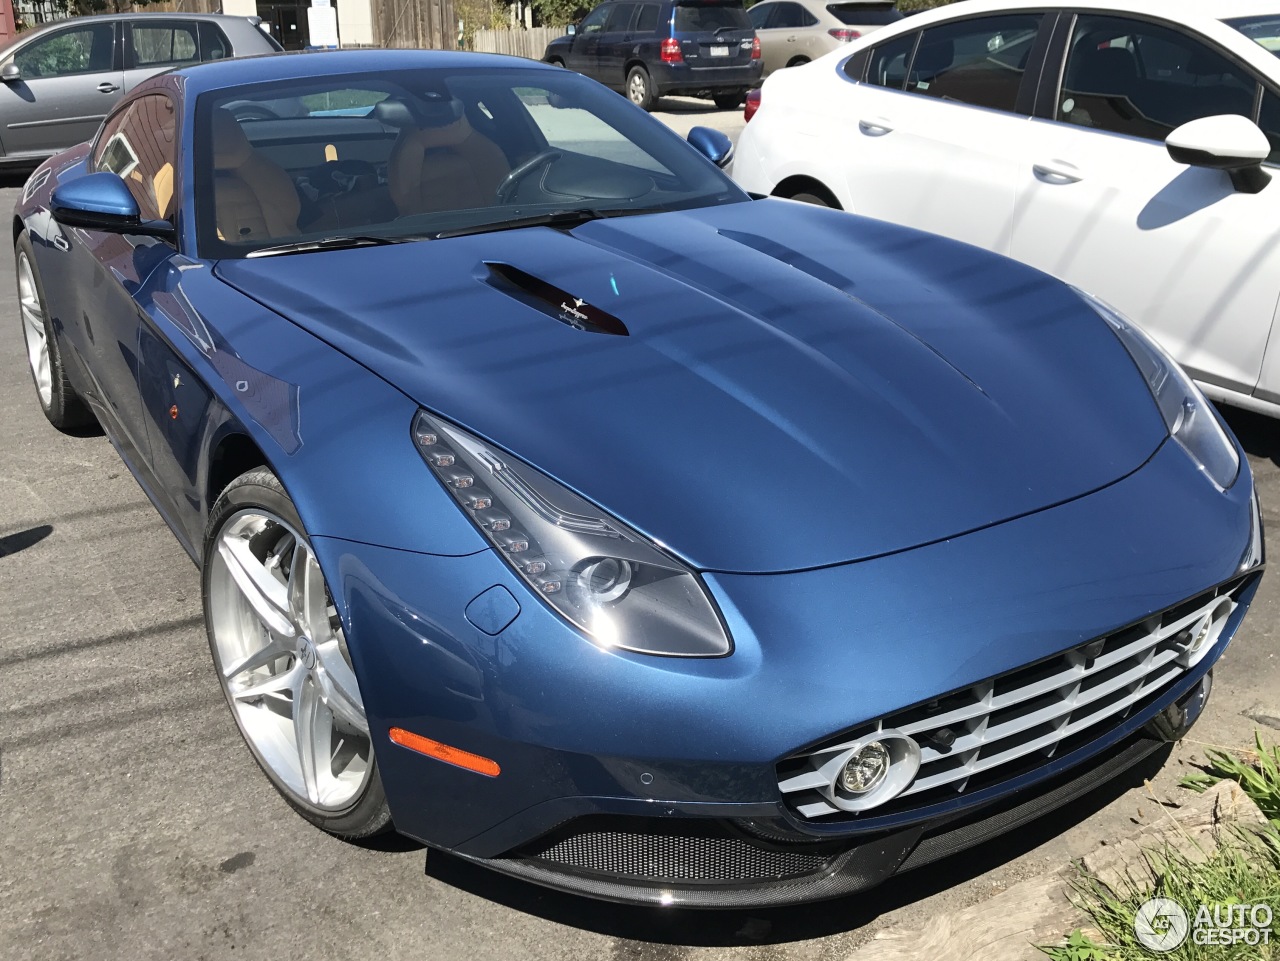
[448, 136]
[933, 58]
[432, 110]
[231, 148]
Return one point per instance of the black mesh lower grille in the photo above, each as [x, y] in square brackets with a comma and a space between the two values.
[659, 851]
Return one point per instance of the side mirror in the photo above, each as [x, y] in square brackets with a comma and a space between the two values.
[712, 144]
[10, 73]
[103, 202]
[571, 30]
[1227, 142]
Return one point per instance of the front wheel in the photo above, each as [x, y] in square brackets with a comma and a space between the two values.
[58, 399]
[640, 88]
[809, 198]
[281, 657]
[728, 101]
[797, 61]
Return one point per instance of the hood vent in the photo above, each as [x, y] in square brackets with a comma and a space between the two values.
[551, 300]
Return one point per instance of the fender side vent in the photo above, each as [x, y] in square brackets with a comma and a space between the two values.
[552, 301]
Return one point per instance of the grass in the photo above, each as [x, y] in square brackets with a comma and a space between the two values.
[1245, 869]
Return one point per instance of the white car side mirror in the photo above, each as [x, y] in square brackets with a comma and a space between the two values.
[1228, 142]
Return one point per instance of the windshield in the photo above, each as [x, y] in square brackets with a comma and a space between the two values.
[710, 17]
[417, 154]
[865, 14]
[1264, 31]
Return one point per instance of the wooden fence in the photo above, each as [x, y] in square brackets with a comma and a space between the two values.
[520, 43]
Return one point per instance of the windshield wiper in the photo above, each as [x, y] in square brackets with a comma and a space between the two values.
[556, 218]
[324, 243]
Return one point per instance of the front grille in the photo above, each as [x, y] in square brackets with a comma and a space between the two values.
[661, 850]
[1014, 722]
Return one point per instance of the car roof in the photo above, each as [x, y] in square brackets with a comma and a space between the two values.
[297, 65]
[1182, 10]
[99, 17]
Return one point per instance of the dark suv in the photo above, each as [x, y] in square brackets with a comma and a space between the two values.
[699, 48]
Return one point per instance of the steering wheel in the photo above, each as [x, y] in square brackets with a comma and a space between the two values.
[506, 190]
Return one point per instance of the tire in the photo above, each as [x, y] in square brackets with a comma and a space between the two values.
[61, 404]
[807, 197]
[797, 61]
[728, 101]
[254, 532]
[640, 88]
[556, 62]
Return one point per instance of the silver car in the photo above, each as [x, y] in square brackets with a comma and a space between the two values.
[59, 81]
[793, 32]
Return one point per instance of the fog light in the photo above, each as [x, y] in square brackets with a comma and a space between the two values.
[866, 770]
[871, 770]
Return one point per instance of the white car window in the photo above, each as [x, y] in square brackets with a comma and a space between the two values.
[1144, 79]
[888, 63]
[978, 62]
[87, 49]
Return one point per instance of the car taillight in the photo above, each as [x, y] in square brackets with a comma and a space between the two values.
[755, 48]
[753, 104]
[671, 51]
[844, 34]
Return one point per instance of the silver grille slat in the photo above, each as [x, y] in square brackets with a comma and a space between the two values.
[1029, 710]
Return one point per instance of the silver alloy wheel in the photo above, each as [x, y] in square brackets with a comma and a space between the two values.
[34, 330]
[637, 88]
[280, 653]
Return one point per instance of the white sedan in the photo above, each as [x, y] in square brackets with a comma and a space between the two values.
[1127, 147]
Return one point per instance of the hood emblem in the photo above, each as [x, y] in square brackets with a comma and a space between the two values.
[575, 316]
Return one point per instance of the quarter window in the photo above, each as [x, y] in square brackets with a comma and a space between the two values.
[647, 21]
[979, 62]
[888, 64]
[1269, 121]
[88, 49]
[137, 144]
[1143, 79]
[164, 42]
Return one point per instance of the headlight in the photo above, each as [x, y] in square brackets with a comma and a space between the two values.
[603, 577]
[1185, 409]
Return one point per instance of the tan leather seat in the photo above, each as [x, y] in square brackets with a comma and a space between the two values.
[254, 199]
[452, 167]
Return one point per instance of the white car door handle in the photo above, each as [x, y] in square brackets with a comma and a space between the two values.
[875, 126]
[1057, 172]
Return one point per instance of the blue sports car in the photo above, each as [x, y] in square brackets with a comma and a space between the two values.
[567, 508]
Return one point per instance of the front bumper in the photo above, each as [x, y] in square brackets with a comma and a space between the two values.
[582, 734]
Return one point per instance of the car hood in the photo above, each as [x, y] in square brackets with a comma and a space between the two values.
[796, 387]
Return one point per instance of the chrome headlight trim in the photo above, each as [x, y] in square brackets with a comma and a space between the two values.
[1187, 413]
[610, 582]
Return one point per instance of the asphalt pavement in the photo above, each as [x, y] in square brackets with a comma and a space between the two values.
[135, 825]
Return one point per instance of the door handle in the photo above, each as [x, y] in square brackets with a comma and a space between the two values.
[1057, 172]
[107, 87]
[875, 126]
[791, 39]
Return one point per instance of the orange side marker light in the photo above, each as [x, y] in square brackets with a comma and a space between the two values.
[443, 752]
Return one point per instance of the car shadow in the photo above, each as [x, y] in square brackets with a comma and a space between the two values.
[675, 926]
[687, 105]
[24, 539]
[1259, 435]
[14, 178]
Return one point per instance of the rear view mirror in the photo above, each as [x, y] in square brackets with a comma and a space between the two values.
[1227, 142]
[102, 201]
[571, 30]
[10, 73]
[712, 144]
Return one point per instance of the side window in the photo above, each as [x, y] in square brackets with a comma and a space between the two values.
[792, 15]
[1269, 121]
[647, 21]
[619, 18]
[979, 62]
[594, 21]
[137, 143]
[88, 49]
[213, 42]
[888, 63]
[160, 42]
[760, 13]
[1143, 79]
